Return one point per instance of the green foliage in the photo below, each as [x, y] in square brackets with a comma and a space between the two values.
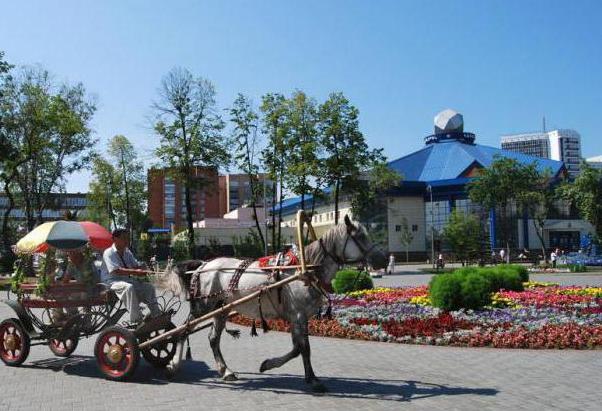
[471, 287]
[18, 276]
[190, 131]
[249, 246]
[245, 121]
[520, 269]
[463, 235]
[351, 280]
[144, 249]
[505, 182]
[586, 194]
[577, 268]
[180, 250]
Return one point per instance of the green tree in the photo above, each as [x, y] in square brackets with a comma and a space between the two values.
[117, 193]
[501, 186]
[52, 130]
[538, 201]
[102, 192]
[463, 235]
[585, 193]
[245, 119]
[132, 182]
[275, 127]
[190, 130]
[406, 236]
[347, 157]
[303, 165]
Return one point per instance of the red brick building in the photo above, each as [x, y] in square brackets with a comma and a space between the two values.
[166, 205]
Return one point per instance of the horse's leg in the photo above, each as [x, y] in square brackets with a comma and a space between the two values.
[219, 322]
[174, 365]
[310, 378]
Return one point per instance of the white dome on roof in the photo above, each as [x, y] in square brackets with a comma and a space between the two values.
[449, 121]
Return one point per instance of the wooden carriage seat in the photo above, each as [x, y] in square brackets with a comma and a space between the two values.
[63, 295]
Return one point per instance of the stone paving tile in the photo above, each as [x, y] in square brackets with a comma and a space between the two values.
[359, 375]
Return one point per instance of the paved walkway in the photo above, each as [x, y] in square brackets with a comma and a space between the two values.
[360, 375]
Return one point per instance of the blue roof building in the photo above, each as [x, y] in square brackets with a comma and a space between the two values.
[434, 182]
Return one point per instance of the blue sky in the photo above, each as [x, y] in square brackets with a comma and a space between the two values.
[503, 64]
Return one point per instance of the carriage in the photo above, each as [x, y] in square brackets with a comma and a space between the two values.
[85, 312]
[97, 311]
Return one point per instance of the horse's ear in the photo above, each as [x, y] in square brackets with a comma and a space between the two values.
[349, 224]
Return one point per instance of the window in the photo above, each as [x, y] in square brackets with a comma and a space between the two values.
[398, 228]
[414, 228]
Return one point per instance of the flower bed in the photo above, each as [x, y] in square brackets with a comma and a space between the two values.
[545, 315]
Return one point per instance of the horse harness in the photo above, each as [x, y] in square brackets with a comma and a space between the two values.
[365, 252]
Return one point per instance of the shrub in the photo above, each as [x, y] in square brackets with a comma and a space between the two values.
[471, 287]
[446, 291]
[522, 271]
[351, 280]
[476, 290]
[577, 268]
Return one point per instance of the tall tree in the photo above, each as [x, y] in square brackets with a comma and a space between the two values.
[273, 109]
[347, 154]
[102, 193]
[125, 159]
[586, 194]
[303, 163]
[245, 120]
[406, 236]
[55, 134]
[500, 187]
[190, 130]
[117, 193]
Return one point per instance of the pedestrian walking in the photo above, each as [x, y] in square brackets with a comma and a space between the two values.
[391, 266]
[503, 255]
[554, 257]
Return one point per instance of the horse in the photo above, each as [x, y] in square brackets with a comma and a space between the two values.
[295, 302]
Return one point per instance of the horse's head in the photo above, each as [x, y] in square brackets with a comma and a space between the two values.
[175, 277]
[355, 246]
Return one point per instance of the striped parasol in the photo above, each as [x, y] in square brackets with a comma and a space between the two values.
[64, 235]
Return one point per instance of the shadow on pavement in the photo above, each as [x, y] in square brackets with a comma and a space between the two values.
[85, 366]
[364, 388]
[199, 374]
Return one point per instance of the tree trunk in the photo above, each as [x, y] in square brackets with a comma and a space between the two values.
[6, 240]
[274, 191]
[254, 205]
[281, 197]
[188, 202]
[128, 219]
[336, 202]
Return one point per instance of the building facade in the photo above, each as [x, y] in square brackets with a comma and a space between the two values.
[434, 183]
[561, 145]
[235, 191]
[166, 197]
[59, 205]
[595, 162]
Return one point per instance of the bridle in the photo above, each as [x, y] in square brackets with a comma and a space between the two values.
[342, 261]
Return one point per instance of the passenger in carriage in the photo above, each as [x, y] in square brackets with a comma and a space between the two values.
[119, 268]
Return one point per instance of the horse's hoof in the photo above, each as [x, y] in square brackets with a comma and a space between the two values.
[230, 376]
[318, 387]
[170, 372]
[264, 366]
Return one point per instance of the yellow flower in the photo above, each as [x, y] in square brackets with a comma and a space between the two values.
[420, 300]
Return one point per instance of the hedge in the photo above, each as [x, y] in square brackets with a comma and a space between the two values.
[471, 287]
[351, 280]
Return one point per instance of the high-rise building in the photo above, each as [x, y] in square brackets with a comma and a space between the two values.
[235, 191]
[561, 145]
[595, 162]
[166, 197]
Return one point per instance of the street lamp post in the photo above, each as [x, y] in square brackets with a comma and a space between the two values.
[429, 188]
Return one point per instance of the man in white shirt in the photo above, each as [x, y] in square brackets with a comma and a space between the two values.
[119, 268]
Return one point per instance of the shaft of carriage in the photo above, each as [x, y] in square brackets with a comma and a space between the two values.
[189, 327]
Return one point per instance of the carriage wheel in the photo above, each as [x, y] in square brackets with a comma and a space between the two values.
[117, 354]
[63, 347]
[14, 342]
[159, 354]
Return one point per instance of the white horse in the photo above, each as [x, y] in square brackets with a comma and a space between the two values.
[296, 302]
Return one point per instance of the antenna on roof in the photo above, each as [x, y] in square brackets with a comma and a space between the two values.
[544, 124]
